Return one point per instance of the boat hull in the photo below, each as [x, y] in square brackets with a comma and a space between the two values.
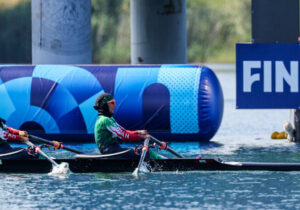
[126, 165]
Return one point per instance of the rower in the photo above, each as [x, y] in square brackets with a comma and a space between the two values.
[10, 134]
[108, 131]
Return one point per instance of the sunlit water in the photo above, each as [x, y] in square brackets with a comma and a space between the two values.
[244, 136]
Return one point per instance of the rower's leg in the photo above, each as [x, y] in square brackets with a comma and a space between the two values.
[4, 148]
[115, 148]
[8, 152]
[21, 155]
[131, 155]
[155, 155]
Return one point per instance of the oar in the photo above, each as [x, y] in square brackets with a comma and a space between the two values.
[164, 146]
[41, 153]
[53, 143]
[62, 168]
[143, 155]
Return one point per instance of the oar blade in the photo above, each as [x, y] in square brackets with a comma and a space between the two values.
[60, 169]
[141, 166]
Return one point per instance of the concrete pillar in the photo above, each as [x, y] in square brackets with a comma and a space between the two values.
[277, 21]
[158, 31]
[61, 31]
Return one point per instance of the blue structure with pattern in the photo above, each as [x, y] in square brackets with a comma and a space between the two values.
[173, 102]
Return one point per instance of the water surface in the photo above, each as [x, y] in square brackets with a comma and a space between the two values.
[243, 136]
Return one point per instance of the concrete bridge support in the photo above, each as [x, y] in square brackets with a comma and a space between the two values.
[277, 21]
[158, 31]
[61, 32]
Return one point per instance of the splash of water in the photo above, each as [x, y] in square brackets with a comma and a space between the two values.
[136, 172]
[142, 169]
[61, 169]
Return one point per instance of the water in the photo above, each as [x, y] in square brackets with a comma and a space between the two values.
[244, 136]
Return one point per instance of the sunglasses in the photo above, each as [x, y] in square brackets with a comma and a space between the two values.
[112, 102]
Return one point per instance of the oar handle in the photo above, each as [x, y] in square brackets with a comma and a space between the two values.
[52, 143]
[168, 148]
[41, 153]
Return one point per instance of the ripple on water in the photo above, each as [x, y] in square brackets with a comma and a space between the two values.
[244, 135]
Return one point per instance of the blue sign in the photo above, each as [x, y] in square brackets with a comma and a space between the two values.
[267, 76]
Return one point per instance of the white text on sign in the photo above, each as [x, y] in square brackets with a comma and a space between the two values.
[281, 74]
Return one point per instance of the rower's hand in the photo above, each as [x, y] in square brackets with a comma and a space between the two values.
[144, 134]
[23, 133]
[24, 138]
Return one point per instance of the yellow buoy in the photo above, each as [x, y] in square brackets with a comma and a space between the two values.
[281, 135]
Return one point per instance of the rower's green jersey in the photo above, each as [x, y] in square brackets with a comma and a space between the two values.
[108, 131]
[103, 136]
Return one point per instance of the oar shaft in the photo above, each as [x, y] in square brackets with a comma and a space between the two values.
[144, 152]
[168, 149]
[41, 153]
[45, 141]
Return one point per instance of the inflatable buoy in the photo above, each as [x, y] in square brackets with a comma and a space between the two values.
[172, 102]
[277, 135]
[288, 132]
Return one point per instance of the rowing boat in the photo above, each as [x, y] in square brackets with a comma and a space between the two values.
[107, 165]
[113, 163]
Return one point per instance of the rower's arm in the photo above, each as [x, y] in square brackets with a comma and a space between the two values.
[13, 131]
[122, 133]
[9, 137]
[11, 134]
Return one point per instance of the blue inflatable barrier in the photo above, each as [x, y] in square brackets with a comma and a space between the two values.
[173, 102]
